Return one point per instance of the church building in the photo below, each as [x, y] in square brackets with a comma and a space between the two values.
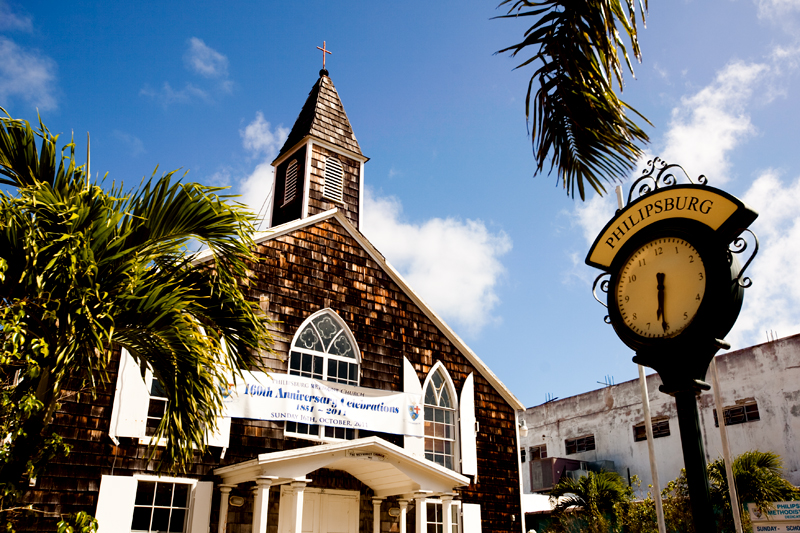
[376, 416]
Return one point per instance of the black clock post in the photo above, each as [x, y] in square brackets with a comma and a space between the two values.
[674, 290]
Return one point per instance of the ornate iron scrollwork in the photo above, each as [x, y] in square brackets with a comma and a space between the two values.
[657, 175]
[738, 246]
[603, 287]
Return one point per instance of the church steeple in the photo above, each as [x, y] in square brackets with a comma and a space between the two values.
[321, 165]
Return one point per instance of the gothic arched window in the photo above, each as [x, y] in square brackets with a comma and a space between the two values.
[440, 418]
[324, 348]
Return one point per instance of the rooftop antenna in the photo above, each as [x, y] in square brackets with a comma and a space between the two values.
[548, 397]
[608, 381]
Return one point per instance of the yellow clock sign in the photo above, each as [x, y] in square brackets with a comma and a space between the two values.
[670, 268]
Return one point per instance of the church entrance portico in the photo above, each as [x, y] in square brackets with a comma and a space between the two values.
[388, 470]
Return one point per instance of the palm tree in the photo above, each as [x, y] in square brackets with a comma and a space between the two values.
[85, 271]
[576, 119]
[758, 480]
[589, 504]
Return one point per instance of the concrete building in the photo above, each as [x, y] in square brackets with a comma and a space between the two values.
[760, 390]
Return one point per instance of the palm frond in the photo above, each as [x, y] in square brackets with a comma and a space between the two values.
[576, 119]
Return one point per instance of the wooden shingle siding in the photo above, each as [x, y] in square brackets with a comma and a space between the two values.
[387, 325]
[323, 116]
[297, 274]
[317, 203]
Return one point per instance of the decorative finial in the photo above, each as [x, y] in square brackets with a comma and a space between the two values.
[324, 51]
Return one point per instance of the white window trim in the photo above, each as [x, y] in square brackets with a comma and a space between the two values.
[456, 410]
[116, 499]
[356, 349]
[131, 401]
[455, 504]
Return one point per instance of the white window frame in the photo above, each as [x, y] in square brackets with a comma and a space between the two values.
[115, 502]
[333, 182]
[131, 403]
[448, 382]
[326, 357]
[455, 508]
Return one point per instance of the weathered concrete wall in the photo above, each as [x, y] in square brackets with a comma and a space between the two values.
[767, 373]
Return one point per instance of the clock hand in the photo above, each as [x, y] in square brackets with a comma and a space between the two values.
[660, 312]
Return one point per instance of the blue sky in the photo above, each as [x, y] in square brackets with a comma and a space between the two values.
[213, 87]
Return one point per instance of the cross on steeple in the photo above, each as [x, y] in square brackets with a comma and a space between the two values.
[324, 51]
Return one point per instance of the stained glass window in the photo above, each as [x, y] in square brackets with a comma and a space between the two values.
[324, 349]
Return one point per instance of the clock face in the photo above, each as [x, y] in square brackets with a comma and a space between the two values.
[660, 287]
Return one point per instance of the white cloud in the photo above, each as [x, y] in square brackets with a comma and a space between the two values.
[13, 22]
[168, 96]
[708, 125]
[772, 303]
[27, 75]
[200, 59]
[453, 264]
[776, 10]
[204, 60]
[134, 144]
[260, 140]
[592, 215]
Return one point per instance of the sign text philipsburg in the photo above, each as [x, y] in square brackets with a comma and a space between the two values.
[706, 205]
[311, 401]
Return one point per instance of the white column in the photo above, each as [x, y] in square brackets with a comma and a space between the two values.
[447, 519]
[261, 505]
[224, 494]
[296, 522]
[376, 515]
[403, 514]
[422, 513]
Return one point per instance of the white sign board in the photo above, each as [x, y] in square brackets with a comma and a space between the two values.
[783, 517]
[311, 401]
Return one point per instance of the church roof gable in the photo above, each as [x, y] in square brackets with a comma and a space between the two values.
[323, 117]
[376, 256]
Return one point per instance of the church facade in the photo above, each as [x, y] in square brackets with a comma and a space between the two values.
[376, 416]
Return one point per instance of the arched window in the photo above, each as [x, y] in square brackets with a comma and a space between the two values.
[440, 417]
[290, 188]
[334, 180]
[324, 348]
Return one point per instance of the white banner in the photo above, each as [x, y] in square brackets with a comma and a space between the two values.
[312, 401]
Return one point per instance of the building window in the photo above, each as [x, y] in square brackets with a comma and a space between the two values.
[324, 349]
[739, 414]
[581, 444]
[156, 407]
[290, 185]
[160, 506]
[333, 185]
[660, 429]
[440, 419]
[538, 452]
[435, 515]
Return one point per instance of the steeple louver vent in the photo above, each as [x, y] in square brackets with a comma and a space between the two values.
[334, 180]
[290, 192]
